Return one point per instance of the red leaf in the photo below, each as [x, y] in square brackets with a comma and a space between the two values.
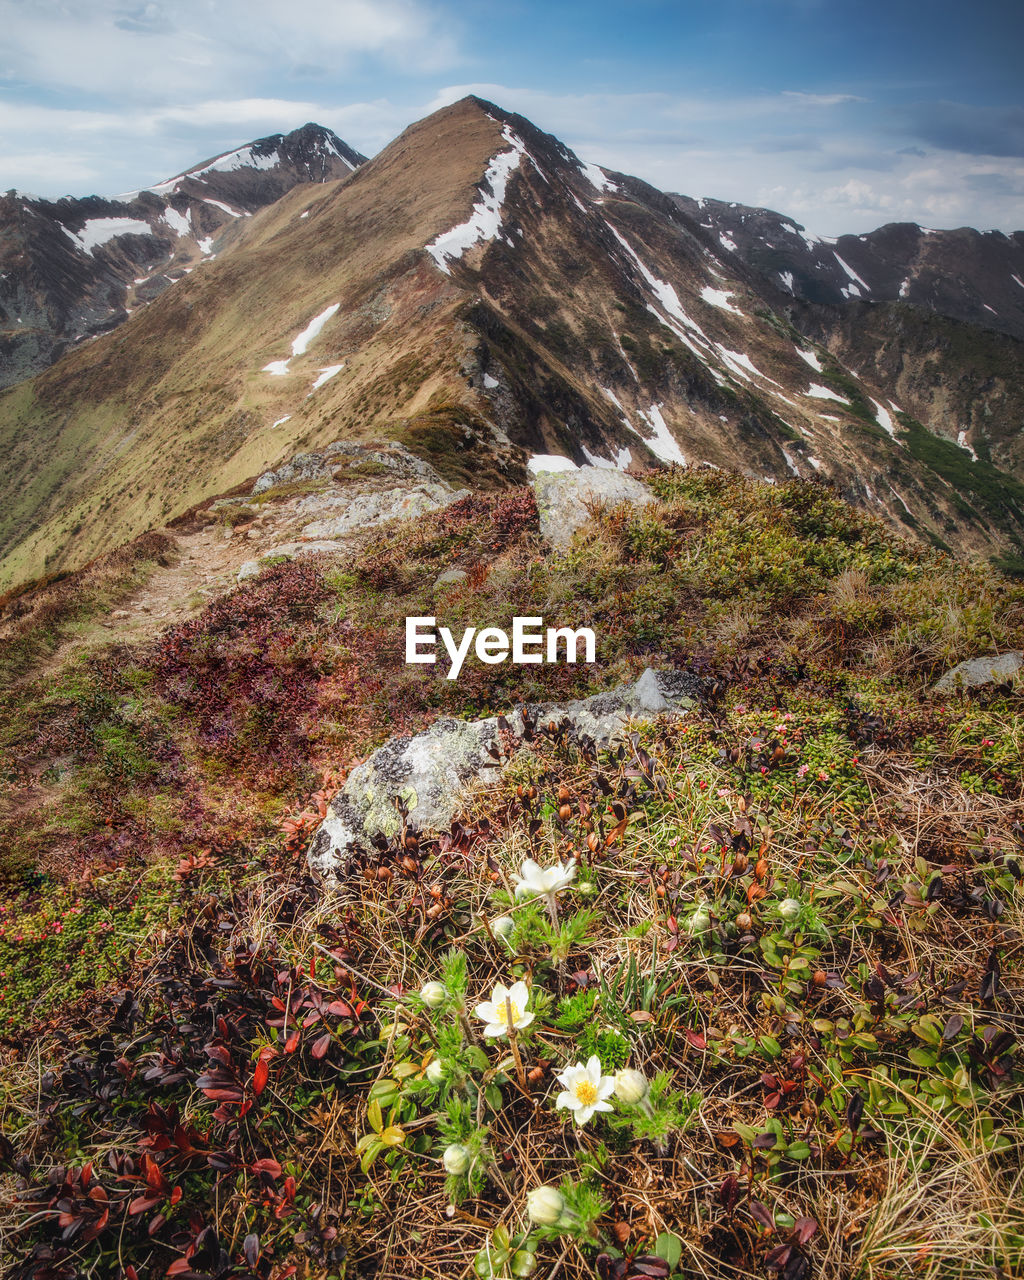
[697, 1039]
[245, 1107]
[178, 1266]
[340, 1009]
[320, 1046]
[142, 1204]
[267, 1165]
[231, 1094]
[289, 1187]
[292, 1043]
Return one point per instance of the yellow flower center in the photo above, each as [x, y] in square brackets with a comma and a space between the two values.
[510, 1011]
[586, 1093]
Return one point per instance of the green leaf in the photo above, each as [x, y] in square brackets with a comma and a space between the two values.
[670, 1248]
[374, 1116]
[798, 1150]
[922, 1057]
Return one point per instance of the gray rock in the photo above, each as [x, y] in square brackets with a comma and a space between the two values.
[322, 465]
[248, 569]
[976, 672]
[430, 771]
[450, 578]
[367, 508]
[567, 499]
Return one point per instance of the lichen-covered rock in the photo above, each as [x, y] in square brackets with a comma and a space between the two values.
[365, 509]
[323, 464]
[977, 672]
[567, 499]
[450, 578]
[429, 772]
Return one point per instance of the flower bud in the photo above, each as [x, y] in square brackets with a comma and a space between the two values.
[433, 993]
[523, 1263]
[502, 927]
[434, 1071]
[631, 1086]
[789, 909]
[700, 921]
[545, 1205]
[455, 1158]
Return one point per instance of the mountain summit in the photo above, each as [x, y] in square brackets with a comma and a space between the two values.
[483, 296]
[72, 268]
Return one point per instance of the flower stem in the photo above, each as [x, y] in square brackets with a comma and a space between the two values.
[514, 1046]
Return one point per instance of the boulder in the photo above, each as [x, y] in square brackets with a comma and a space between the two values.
[976, 672]
[566, 500]
[285, 551]
[366, 508]
[429, 772]
[450, 578]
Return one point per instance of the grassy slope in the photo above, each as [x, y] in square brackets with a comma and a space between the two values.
[853, 1070]
[138, 425]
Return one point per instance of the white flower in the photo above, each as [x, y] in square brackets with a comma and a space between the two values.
[546, 881]
[455, 1158]
[545, 1205]
[433, 994]
[631, 1086]
[507, 1004]
[434, 1071]
[585, 1090]
[789, 909]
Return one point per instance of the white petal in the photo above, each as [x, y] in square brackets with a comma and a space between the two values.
[566, 1099]
[524, 1020]
[495, 1029]
[606, 1088]
[583, 1115]
[603, 1106]
[486, 1011]
[519, 994]
[594, 1069]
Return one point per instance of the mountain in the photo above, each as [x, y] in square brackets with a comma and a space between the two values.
[480, 295]
[966, 275]
[73, 268]
[938, 315]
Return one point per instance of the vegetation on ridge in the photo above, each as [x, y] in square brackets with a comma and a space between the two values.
[795, 913]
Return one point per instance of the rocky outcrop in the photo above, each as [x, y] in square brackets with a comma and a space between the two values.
[367, 509]
[428, 773]
[566, 500]
[975, 673]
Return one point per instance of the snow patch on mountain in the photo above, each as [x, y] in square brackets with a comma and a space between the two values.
[818, 392]
[1017, 279]
[666, 295]
[812, 359]
[539, 462]
[226, 208]
[884, 419]
[99, 231]
[961, 440]
[620, 462]
[596, 177]
[300, 345]
[243, 158]
[719, 298]
[852, 274]
[787, 280]
[490, 383]
[484, 223]
[727, 242]
[663, 444]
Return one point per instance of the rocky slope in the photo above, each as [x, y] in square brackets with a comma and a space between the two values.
[480, 295]
[72, 268]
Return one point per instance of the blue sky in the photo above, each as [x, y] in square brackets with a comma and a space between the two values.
[842, 113]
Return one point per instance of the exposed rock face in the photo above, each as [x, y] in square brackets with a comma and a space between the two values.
[73, 268]
[428, 773]
[978, 672]
[393, 459]
[566, 500]
[365, 510]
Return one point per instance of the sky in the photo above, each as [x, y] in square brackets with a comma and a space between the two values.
[844, 114]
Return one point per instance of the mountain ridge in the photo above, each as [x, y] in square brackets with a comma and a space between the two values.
[78, 266]
[480, 295]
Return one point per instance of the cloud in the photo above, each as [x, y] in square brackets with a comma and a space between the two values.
[970, 129]
[158, 51]
[820, 99]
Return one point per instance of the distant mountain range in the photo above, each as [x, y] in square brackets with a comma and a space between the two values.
[72, 268]
[479, 293]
